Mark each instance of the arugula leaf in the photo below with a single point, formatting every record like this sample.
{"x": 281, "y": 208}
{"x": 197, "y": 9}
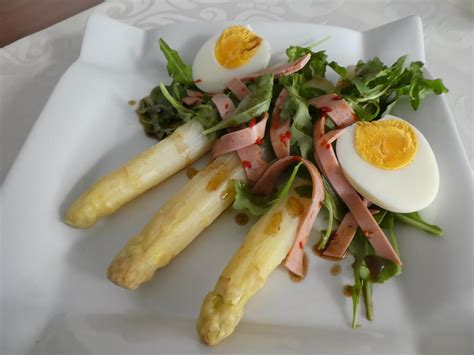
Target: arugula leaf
{"x": 374, "y": 88}
{"x": 204, "y": 113}
{"x": 338, "y": 207}
{"x": 296, "y": 109}
{"x": 185, "y": 113}
{"x": 336, "y": 211}
{"x": 251, "y": 106}
{"x": 246, "y": 200}
{"x": 157, "y": 116}
{"x": 316, "y": 66}
{"x": 370, "y": 268}
{"x": 414, "y": 219}
{"x": 177, "y": 69}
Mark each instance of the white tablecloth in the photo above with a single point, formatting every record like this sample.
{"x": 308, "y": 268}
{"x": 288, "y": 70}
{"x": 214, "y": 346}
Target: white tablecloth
{"x": 31, "y": 67}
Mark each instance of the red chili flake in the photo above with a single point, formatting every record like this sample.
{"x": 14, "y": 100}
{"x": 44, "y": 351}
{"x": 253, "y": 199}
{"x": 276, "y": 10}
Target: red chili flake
{"x": 350, "y": 226}
{"x": 301, "y": 245}
{"x": 285, "y": 137}
{"x": 296, "y": 158}
{"x": 337, "y": 98}
{"x": 252, "y": 122}
{"x": 325, "y": 109}
{"x": 259, "y": 141}
{"x": 246, "y": 164}
{"x": 197, "y": 81}
{"x": 328, "y": 146}
{"x": 323, "y": 143}
{"x": 226, "y": 106}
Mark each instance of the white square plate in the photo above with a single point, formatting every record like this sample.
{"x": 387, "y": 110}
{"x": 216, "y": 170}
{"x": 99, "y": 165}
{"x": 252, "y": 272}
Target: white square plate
{"x": 57, "y": 300}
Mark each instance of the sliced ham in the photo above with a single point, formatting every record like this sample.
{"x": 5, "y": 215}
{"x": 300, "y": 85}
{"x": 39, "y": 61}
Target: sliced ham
{"x": 267, "y": 183}
{"x": 191, "y": 100}
{"x": 252, "y": 161}
{"x": 250, "y": 155}
{"x": 193, "y": 93}
{"x": 238, "y": 88}
{"x": 283, "y": 69}
{"x": 224, "y": 105}
{"x": 240, "y": 139}
{"x": 336, "y": 108}
{"x": 343, "y": 236}
{"x": 280, "y": 129}
{"x": 329, "y": 164}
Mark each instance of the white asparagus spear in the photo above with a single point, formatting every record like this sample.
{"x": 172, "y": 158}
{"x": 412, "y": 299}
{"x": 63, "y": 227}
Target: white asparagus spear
{"x": 178, "y": 222}
{"x": 148, "y": 169}
{"x": 264, "y": 248}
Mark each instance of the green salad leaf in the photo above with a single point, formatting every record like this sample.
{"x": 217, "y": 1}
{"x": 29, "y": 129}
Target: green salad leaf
{"x": 372, "y": 88}
{"x": 414, "y": 220}
{"x": 161, "y": 112}
{"x": 246, "y": 200}
{"x": 177, "y": 69}
{"x": 157, "y": 116}
{"x": 316, "y": 67}
{"x": 253, "y": 105}
{"x": 301, "y": 127}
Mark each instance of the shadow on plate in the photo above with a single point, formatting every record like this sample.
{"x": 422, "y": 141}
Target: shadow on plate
{"x": 27, "y": 103}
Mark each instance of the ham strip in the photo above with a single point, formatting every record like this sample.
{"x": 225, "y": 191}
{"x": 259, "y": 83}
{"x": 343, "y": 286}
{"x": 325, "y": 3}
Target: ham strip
{"x": 284, "y": 69}
{"x": 191, "y": 100}
{"x": 240, "y": 139}
{"x": 251, "y": 155}
{"x": 336, "y": 108}
{"x": 239, "y": 89}
{"x": 193, "y": 93}
{"x": 279, "y": 128}
{"x": 224, "y": 105}
{"x": 267, "y": 183}
{"x": 343, "y": 236}
{"x": 328, "y": 161}
{"x": 251, "y": 158}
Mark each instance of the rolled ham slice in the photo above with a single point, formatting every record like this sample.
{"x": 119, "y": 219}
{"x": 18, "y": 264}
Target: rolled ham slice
{"x": 251, "y": 155}
{"x": 284, "y": 69}
{"x": 336, "y": 108}
{"x": 193, "y": 93}
{"x": 267, "y": 183}
{"x": 240, "y": 139}
{"x": 329, "y": 164}
{"x": 224, "y": 105}
{"x": 279, "y": 128}
{"x": 238, "y": 88}
{"x": 191, "y": 100}
{"x": 251, "y": 158}
{"x": 343, "y": 236}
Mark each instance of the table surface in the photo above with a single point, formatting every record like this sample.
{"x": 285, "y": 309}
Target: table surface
{"x": 31, "y": 67}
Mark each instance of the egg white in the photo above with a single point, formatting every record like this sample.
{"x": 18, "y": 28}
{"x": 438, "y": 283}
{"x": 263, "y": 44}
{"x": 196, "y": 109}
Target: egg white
{"x": 210, "y": 76}
{"x": 404, "y": 190}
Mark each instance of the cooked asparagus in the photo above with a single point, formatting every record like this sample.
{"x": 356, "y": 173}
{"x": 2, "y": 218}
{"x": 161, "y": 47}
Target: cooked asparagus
{"x": 178, "y": 222}
{"x": 148, "y": 169}
{"x": 264, "y": 248}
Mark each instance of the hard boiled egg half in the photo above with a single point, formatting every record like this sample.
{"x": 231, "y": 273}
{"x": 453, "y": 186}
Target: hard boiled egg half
{"x": 390, "y": 163}
{"x": 234, "y": 53}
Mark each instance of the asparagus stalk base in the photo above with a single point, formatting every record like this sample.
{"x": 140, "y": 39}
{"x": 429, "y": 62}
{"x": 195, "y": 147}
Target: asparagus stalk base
{"x": 178, "y": 223}
{"x": 148, "y": 169}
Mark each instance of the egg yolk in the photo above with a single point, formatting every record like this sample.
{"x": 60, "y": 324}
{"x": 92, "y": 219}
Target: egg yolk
{"x": 388, "y": 144}
{"x": 236, "y": 46}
